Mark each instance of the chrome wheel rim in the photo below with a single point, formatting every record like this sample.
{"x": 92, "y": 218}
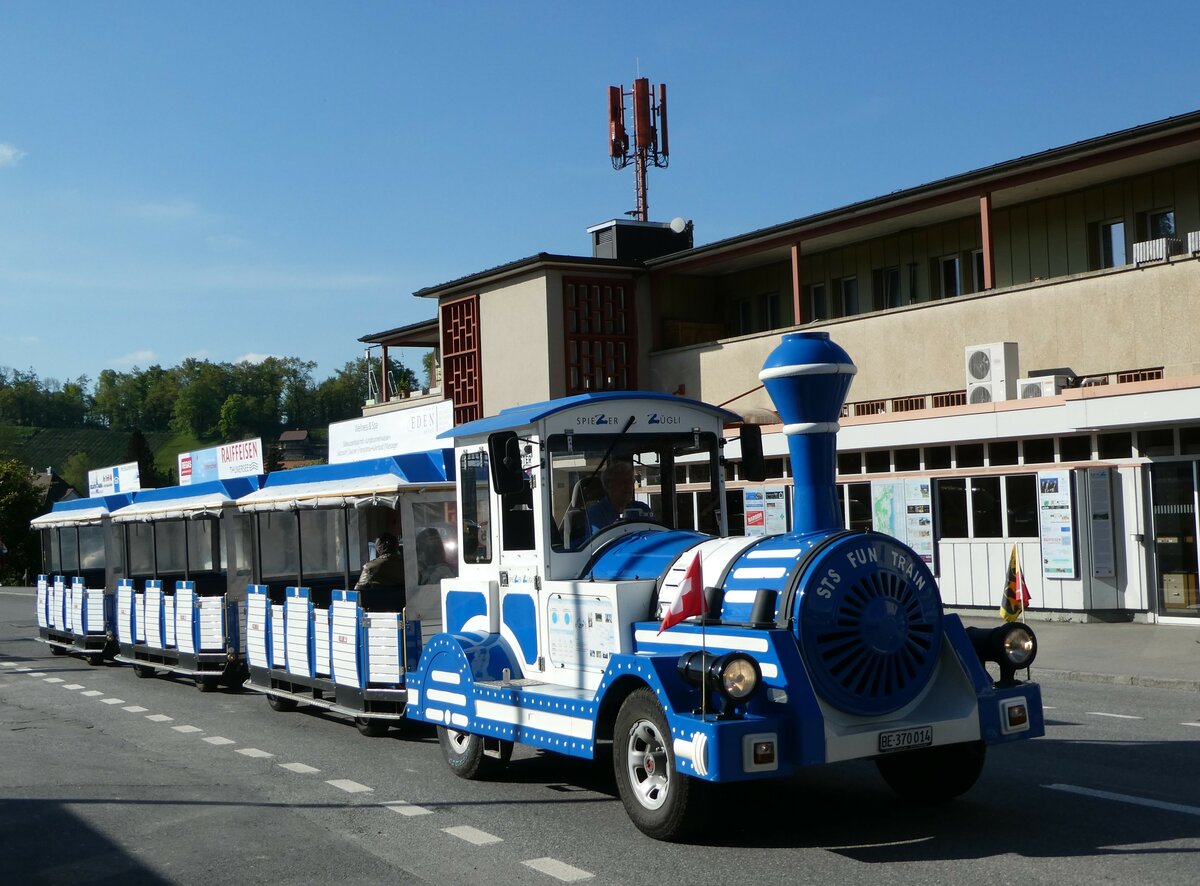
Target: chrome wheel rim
{"x": 458, "y": 740}
{"x": 647, "y": 765}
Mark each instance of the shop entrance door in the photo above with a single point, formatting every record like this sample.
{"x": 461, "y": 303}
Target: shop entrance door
{"x": 1173, "y": 498}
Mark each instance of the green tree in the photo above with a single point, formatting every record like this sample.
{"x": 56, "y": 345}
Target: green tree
{"x": 341, "y": 396}
{"x": 237, "y": 418}
{"x": 430, "y": 368}
{"x": 20, "y": 502}
{"x": 75, "y": 471}
{"x": 203, "y": 387}
{"x": 139, "y": 451}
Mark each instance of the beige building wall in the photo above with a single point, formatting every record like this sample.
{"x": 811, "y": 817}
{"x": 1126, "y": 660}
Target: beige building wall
{"x": 516, "y": 351}
{"x": 1104, "y": 321}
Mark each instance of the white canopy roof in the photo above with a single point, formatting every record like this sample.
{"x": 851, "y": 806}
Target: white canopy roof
{"x": 77, "y": 517}
{"x": 357, "y": 492}
{"x": 173, "y": 508}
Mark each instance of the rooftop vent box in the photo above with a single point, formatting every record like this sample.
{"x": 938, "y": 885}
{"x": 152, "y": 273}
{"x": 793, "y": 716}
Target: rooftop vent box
{"x": 629, "y": 240}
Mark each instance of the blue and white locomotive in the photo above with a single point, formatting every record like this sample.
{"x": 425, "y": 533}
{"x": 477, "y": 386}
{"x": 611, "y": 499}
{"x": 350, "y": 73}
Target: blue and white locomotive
{"x": 819, "y": 645}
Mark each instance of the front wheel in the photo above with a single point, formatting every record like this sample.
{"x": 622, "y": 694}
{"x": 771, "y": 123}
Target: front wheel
{"x": 661, "y": 801}
{"x": 933, "y": 775}
{"x": 472, "y": 756}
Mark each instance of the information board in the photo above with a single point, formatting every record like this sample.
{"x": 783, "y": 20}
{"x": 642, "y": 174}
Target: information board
{"x": 1056, "y": 525}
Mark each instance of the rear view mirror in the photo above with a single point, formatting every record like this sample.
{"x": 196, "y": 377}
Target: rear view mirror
{"x": 754, "y": 466}
{"x": 508, "y": 477}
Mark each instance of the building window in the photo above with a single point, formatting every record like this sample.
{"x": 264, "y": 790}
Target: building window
{"x": 969, "y": 455}
{"x": 848, "y": 292}
{"x": 859, "y": 506}
{"x": 987, "y": 516}
{"x": 1117, "y": 445}
{"x": 601, "y": 340}
{"x": 745, "y": 317}
{"x": 949, "y": 281}
{"x": 1002, "y": 452}
{"x": 879, "y": 461}
{"x": 977, "y": 270}
{"x": 771, "y": 310}
{"x": 818, "y": 307}
{"x": 1160, "y": 223}
{"x": 913, "y": 282}
{"x": 1039, "y": 450}
{"x": 1112, "y": 244}
{"x": 1020, "y": 506}
{"x": 887, "y": 287}
{"x": 462, "y": 375}
{"x": 907, "y": 459}
{"x": 1075, "y": 448}
{"x": 937, "y": 458}
{"x": 849, "y": 462}
{"x": 952, "y": 507}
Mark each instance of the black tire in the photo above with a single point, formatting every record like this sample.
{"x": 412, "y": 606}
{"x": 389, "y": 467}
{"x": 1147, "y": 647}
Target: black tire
{"x": 933, "y": 775}
{"x": 281, "y": 704}
{"x": 208, "y": 684}
{"x": 662, "y": 802}
{"x": 143, "y": 672}
{"x": 371, "y": 727}
{"x": 472, "y": 756}
{"x": 95, "y": 659}
{"x": 57, "y": 650}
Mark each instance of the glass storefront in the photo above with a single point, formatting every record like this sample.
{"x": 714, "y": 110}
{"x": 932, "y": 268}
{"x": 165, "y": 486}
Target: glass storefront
{"x": 1173, "y": 507}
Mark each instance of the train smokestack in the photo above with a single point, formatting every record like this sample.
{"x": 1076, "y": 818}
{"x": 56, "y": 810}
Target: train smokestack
{"x": 808, "y": 377}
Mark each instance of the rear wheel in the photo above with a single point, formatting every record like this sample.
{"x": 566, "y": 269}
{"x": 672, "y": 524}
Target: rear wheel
{"x": 281, "y": 703}
{"x": 473, "y": 756}
{"x": 57, "y": 650}
{"x": 95, "y": 659}
{"x": 371, "y": 727}
{"x": 208, "y": 684}
{"x": 933, "y": 775}
{"x": 660, "y": 800}
{"x": 143, "y": 671}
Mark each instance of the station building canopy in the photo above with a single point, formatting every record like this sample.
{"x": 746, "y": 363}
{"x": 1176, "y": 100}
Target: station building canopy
{"x": 186, "y": 502}
{"x": 81, "y": 511}
{"x": 376, "y": 481}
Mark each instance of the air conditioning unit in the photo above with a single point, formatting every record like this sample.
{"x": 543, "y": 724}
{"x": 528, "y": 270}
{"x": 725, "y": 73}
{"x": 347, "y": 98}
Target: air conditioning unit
{"x": 1156, "y": 250}
{"x": 991, "y": 372}
{"x": 1041, "y": 386}
{"x": 1193, "y": 242}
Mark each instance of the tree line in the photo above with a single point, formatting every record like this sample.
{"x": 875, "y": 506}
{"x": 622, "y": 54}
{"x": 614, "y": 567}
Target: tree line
{"x": 226, "y": 401}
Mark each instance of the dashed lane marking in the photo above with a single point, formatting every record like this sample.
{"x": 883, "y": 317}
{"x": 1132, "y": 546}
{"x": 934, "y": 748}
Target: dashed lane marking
{"x": 135, "y": 709}
{"x": 8, "y": 664}
{"x": 92, "y": 693}
{"x": 54, "y": 679}
{"x": 1114, "y": 716}
{"x": 408, "y": 809}
{"x": 557, "y": 869}
{"x": 37, "y": 673}
{"x": 1125, "y": 798}
{"x": 73, "y": 686}
{"x": 219, "y": 740}
{"x": 350, "y": 787}
{"x": 159, "y": 718}
{"x": 1189, "y": 724}
{"x": 112, "y": 701}
{"x": 474, "y": 836}
{"x": 302, "y": 768}
{"x": 22, "y": 670}
{"x": 254, "y": 752}
{"x": 187, "y": 728}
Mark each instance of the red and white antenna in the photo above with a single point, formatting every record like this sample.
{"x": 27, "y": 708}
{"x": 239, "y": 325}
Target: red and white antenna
{"x": 649, "y": 140}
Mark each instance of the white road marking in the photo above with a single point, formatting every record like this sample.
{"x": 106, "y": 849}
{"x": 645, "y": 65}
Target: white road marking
{"x": 92, "y": 693}
{"x": 1189, "y": 724}
{"x": 474, "y": 836}
{"x": 254, "y": 752}
{"x": 302, "y": 768}
{"x": 112, "y": 701}
{"x": 1114, "y": 716}
{"x": 73, "y": 686}
{"x": 187, "y": 728}
{"x": 350, "y": 787}
{"x": 218, "y": 740}
{"x": 37, "y": 673}
{"x": 135, "y": 709}
{"x": 159, "y": 718}
{"x": 23, "y": 670}
{"x": 408, "y": 809}
{"x": 8, "y": 664}
{"x": 557, "y": 869}
{"x": 54, "y": 679}
{"x": 1125, "y": 798}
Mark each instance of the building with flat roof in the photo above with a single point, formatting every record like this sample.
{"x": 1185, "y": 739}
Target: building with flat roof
{"x": 1025, "y": 335}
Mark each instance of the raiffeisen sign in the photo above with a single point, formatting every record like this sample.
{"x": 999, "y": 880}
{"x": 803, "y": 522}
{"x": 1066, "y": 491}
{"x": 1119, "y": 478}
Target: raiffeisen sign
{"x": 225, "y": 462}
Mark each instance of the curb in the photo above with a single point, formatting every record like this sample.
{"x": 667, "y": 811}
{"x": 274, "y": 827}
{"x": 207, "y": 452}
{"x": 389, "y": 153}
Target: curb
{"x": 1121, "y": 680}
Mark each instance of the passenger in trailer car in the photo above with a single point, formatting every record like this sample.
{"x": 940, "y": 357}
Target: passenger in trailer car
{"x": 386, "y": 571}
{"x": 617, "y": 478}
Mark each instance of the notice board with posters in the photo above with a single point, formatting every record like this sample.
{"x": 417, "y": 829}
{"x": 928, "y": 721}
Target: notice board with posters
{"x": 1056, "y": 524}
{"x": 903, "y": 509}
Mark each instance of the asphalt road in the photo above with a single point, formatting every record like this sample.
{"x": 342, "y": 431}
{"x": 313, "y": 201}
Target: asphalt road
{"x": 108, "y": 778}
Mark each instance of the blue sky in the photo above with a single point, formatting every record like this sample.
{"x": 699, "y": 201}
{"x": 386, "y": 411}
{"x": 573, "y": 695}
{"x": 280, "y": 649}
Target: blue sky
{"x": 237, "y": 179}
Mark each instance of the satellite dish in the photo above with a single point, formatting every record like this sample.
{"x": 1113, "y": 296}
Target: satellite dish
{"x": 678, "y": 225}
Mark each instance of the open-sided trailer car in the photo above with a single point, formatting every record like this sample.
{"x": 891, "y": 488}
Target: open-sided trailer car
{"x": 312, "y": 638}
{"x": 74, "y": 609}
{"x": 186, "y": 567}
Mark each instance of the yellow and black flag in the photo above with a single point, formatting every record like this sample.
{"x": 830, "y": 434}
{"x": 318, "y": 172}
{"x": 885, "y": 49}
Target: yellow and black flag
{"x": 1016, "y": 592}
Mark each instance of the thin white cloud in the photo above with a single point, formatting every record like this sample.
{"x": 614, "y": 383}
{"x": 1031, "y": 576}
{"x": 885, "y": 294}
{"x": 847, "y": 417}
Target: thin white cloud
{"x": 175, "y": 210}
{"x": 10, "y": 155}
{"x": 135, "y": 358}
{"x": 254, "y": 358}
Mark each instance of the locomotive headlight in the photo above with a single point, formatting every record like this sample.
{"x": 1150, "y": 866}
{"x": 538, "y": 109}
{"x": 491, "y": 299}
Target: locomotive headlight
{"x": 1012, "y": 646}
{"x": 737, "y": 675}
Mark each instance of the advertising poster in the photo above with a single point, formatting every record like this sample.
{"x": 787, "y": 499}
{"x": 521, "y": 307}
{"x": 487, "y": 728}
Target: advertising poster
{"x": 110, "y": 481}
{"x": 754, "y": 510}
{"x": 1100, "y": 507}
{"x": 391, "y": 433}
{"x": 775, "y": 509}
{"x": 918, "y": 517}
{"x": 225, "y": 462}
{"x": 1056, "y": 521}
{"x": 887, "y": 508}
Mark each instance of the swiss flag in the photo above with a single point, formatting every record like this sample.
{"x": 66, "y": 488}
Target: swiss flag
{"x": 690, "y": 599}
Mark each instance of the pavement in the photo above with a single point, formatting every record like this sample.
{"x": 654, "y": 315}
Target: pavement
{"x": 1130, "y": 653}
